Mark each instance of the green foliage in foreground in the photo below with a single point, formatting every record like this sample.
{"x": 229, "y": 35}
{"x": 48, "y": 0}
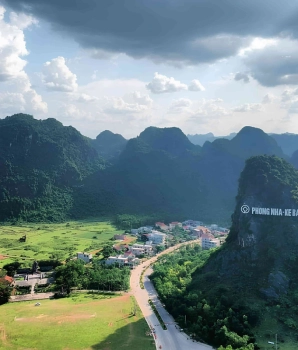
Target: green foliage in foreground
{"x": 212, "y": 321}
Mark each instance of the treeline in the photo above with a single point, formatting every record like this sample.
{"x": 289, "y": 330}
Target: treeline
{"x": 211, "y": 320}
{"x": 126, "y": 221}
{"x": 75, "y": 274}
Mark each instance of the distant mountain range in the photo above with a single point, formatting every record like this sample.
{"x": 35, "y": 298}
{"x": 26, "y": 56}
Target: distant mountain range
{"x": 52, "y": 172}
{"x": 288, "y": 142}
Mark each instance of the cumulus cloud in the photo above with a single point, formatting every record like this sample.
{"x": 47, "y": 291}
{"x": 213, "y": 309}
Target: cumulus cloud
{"x": 180, "y": 105}
{"x": 9, "y": 101}
{"x": 132, "y": 103}
{"x": 210, "y": 109}
{"x": 162, "y": 84}
{"x": 21, "y": 20}
{"x": 269, "y": 98}
{"x": 12, "y": 49}
{"x": 73, "y": 112}
{"x": 289, "y": 100}
{"x": 58, "y": 77}
{"x": 165, "y": 32}
{"x": 85, "y": 98}
{"x": 195, "y": 85}
{"x": 242, "y": 76}
{"x": 249, "y": 107}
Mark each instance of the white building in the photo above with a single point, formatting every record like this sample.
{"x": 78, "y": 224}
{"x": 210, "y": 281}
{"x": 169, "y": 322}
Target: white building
{"x": 192, "y": 223}
{"x": 84, "y": 256}
{"x": 172, "y": 225}
{"x": 146, "y": 247}
{"x": 137, "y": 251}
{"x": 157, "y": 237}
{"x": 208, "y": 241}
{"x": 123, "y": 260}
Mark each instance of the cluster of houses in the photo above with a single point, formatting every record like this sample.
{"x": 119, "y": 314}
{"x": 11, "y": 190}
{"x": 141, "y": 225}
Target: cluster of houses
{"x": 211, "y": 236}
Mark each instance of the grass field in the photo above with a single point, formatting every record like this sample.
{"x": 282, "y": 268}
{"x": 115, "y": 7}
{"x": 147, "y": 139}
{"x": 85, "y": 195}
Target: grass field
{"x": 44, "y": 240}
{"x": 84, "y": 322}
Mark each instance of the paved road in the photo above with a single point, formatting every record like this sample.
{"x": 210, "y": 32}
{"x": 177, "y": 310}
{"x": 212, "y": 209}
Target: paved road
{"x": 172, "y": 338}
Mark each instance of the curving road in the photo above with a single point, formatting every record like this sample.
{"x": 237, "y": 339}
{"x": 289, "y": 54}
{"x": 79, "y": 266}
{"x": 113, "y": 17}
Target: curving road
{"x": 172, "y": 338}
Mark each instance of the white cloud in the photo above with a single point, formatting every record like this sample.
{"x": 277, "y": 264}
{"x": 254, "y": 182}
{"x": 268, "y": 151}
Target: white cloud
{"x": 118, "y": 105}
{"x": 212, "y": 108}
{"x": 12, "y": 48}
{"x": 21, "y": 20}
{"x": 94, "y": 75}
{"x": 58, "y": 77}
{"x": 162, "y": 84}
{"x": 269, "y": 98}
{"x": 85, "y": 98}
{"x": 249, "y": 107}
{"x": 130, "y": 103}
{"x": 9, "y": 101}
{"x": 180, "y": 105}
{"x": 195, "y": 85}
{"x": 140, "y": 99}
{"x": 289, "y": 100}
{"x": 72, "y": 112}
{"x": 257, "y": 44}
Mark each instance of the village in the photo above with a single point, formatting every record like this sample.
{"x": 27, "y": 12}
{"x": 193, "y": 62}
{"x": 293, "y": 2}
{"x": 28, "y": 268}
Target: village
{"x": 151, "y": 240}
{"x": 148, "y": 241}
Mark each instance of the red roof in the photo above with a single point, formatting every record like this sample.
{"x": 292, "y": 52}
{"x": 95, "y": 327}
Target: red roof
{"x": 207, "y": 235}
{"x": 175, "y": 223}
{"x": 7, "y": 279}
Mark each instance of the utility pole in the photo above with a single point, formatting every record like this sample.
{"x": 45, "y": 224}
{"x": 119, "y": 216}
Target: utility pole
{"x": 275, "y": 341}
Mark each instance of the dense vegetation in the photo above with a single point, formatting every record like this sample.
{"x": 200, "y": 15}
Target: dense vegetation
{"x": 109, "y": 145}
{"x": 75, "y": 274}
{"x": 49, "y": 172}
{"x": 249, "y": 281}
{"x": 206, "y": 319}
{"x": 41, "y": 163}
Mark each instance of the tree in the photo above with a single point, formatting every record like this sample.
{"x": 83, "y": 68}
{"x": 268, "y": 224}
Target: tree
{"x": 70, "y": 275}
{"x": 5, "y": 291}
{"x": 12, "y": 268}
{"x": 160, "y": 248}
{"x": 107, "y": 251}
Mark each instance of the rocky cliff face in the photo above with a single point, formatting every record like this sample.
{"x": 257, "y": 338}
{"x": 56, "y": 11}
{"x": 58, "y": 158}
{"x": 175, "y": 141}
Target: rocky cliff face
{"x": 262, "y": 247}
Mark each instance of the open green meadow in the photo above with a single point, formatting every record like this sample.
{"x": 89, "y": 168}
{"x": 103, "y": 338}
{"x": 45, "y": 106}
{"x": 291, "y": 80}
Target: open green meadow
{"x": 45, "y": 241}
{"x": 82, "y": 321}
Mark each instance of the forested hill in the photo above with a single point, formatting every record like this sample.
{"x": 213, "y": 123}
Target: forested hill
{"x": 109, "y": 145}
{"x": 161, "y": 171}
{"x": 254, "y": 272}
{"x": 52, "y": 172}
{"x": 40, "y": 160}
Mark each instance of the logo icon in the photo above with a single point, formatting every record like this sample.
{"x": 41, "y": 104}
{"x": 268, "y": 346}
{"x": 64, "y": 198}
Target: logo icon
{"x": 245, "y": 209}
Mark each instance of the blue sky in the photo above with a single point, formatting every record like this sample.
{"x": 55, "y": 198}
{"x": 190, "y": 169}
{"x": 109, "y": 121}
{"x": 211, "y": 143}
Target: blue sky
{"x": 125, "y": 66}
